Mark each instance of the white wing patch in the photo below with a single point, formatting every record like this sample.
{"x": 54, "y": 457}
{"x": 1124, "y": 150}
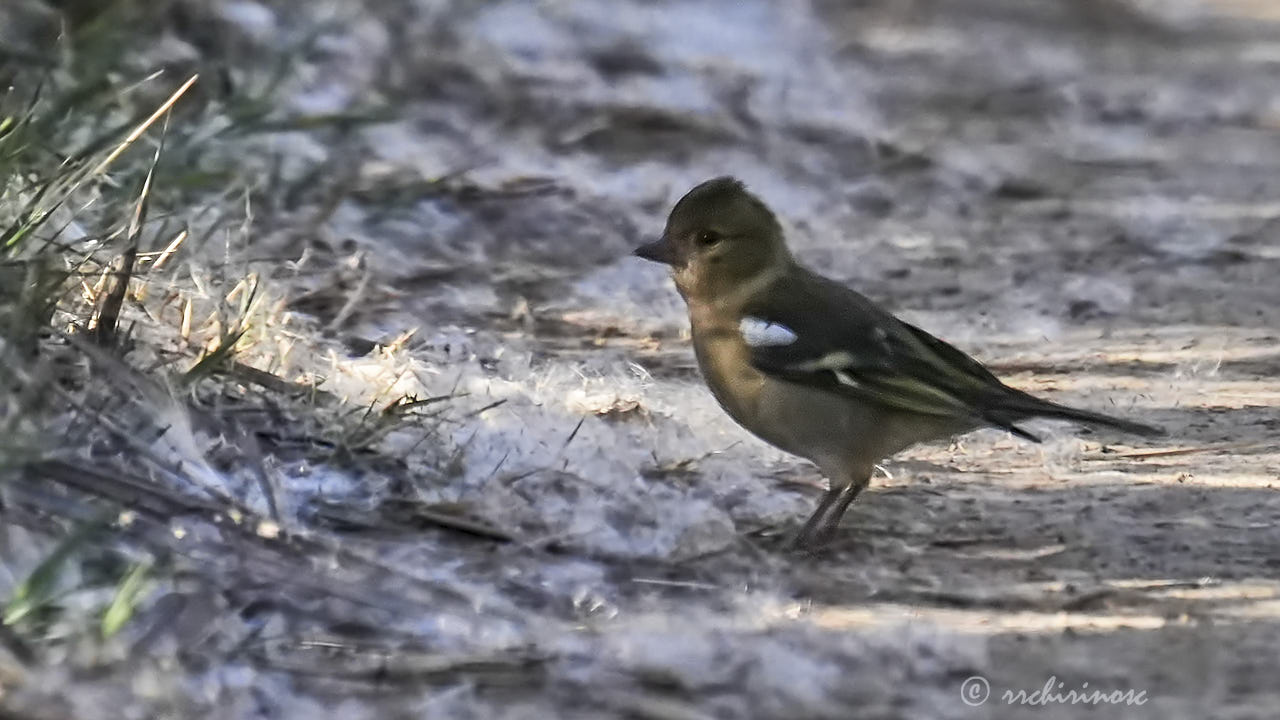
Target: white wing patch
{"x": 845, "y": 378}
{"x": 833, "y": 361}
{"x": 762, "y": 333}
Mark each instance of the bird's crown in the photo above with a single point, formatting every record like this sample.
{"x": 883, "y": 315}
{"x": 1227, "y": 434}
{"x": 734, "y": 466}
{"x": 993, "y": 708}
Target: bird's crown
{"x": 721, "y": 201}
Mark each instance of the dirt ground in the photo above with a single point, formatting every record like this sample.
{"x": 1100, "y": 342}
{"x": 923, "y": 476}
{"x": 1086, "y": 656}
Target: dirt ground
{"x": 1084, "y": 195}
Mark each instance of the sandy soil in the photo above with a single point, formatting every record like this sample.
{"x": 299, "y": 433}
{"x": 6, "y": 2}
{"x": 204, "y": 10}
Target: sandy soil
{"x": 1083, "y": 197}
{"x": 1082, "y": 194}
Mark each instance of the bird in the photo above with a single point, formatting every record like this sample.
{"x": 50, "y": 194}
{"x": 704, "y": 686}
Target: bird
{"x": 815, "y": 368}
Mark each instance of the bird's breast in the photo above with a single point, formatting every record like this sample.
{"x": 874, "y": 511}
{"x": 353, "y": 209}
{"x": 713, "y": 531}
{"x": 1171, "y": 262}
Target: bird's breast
{"x": 726, "y": 367}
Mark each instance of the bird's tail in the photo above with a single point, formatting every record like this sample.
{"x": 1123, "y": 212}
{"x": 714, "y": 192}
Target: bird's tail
{"x": 1029, "y": 406}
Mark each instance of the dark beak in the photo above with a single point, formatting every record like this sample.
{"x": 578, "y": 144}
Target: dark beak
{"x": 658, "y": 251}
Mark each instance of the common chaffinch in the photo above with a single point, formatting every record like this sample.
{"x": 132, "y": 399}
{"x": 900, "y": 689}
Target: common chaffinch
{"x": 815, "y": 368}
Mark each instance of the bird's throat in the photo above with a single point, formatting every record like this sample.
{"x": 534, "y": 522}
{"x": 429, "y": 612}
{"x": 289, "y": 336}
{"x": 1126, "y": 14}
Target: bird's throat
{"x": 724, "y": 296}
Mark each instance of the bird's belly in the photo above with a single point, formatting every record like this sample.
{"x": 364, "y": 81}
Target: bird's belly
{"x": 821, "y": 426}
{"x": 836, "y": 432}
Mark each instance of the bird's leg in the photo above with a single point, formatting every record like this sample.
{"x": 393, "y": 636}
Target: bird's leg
{"x": 847, "y": 495}
{"x": 822, "y": 524}
{"x": 805, "y": 538}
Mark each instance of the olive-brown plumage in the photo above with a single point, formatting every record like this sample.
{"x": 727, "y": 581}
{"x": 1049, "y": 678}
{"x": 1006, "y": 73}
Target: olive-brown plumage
{"x": 814, "y": 367}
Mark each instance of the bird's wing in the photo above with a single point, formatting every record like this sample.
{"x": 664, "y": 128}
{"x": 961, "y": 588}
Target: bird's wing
{"x": 818, "y": 333}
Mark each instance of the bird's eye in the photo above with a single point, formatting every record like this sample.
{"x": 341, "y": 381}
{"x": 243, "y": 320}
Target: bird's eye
{"x": 707, "y": 238}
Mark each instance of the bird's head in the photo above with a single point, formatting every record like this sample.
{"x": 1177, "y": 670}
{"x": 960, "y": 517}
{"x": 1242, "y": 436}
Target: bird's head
{"x": 718, "y": 236}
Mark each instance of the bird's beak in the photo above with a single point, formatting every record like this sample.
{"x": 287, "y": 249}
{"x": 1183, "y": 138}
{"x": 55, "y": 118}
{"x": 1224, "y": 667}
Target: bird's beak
{"x": 658, "y": 251}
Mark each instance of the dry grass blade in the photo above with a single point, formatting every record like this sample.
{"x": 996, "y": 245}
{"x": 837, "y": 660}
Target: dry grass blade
{"x": 169, "y": 250}
{"x": 1174, "y": 452}
{"x": 135, "y": 493}
{"x": 143, "y": 126}
{"x": 55, "y": 193}
{"x": 339, "y": 659}
{"x": 214, "y": 359}
{"x": 463, "y": 525}
{"x": 107, "y": 319}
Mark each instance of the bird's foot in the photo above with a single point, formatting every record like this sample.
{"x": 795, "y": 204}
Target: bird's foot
{"x": 811, "y": 540}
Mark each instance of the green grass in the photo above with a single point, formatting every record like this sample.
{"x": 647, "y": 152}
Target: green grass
{"x": 113, "y": 178}
{"x": 143, "y": 368}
